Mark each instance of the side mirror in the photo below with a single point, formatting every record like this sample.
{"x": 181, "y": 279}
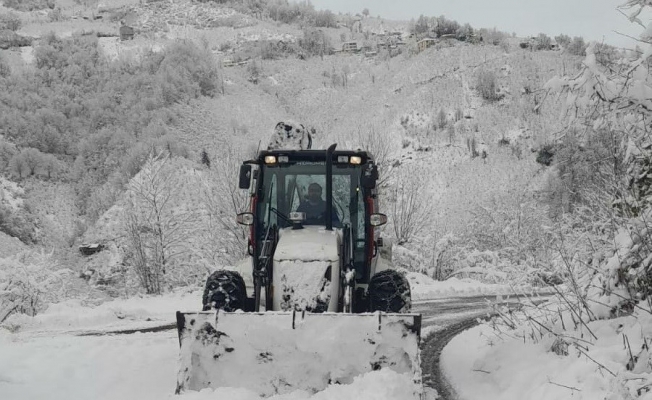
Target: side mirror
{"x": 369, "y": 177}
{"x": 377, "y": 219}
{"x": 245, "y": 218}
{"x": 245, "y": 176}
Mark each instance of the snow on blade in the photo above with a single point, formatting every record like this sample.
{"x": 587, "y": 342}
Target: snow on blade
{"x": 278, "y": 353}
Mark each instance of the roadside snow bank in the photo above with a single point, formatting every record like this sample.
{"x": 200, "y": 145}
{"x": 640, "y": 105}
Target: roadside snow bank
{"x": 154, "y": 310}
{"x": 425, "y": 288}
{"x": 481, "y": 365}
{"x": 76, "y": 314}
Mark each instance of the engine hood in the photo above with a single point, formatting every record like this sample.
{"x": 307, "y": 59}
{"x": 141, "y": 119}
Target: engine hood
{"x": 312, "y": 243}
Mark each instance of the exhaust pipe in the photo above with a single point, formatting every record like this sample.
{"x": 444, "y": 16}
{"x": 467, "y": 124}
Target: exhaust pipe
{"x": 329, "y": 187}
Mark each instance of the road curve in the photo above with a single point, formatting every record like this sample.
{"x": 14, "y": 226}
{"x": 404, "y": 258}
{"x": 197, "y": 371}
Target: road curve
{"x": 445, "y": 318}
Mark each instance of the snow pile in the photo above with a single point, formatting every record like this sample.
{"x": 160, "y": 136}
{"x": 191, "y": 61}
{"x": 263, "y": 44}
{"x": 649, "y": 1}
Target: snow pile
{"x": 379, "y": 385}
{"x": 424, "y": 287}
{"x": 290, "y": 135}
{"x": 78, "y": 315}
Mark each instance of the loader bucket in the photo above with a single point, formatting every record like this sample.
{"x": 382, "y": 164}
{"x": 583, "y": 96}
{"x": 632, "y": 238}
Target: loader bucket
{"x": 280, "y": 352}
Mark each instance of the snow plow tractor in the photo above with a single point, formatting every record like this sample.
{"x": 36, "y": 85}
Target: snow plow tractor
{"x": 314, "y": 304}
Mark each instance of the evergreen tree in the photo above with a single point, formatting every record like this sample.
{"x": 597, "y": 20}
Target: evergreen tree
{"x": 204, "y": 158}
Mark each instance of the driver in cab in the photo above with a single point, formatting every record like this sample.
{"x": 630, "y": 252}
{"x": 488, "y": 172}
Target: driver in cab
{"x": 315, "y": 207}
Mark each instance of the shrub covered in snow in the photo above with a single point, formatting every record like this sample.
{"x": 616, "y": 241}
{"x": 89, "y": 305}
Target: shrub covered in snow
{"x": 29, "y": 284}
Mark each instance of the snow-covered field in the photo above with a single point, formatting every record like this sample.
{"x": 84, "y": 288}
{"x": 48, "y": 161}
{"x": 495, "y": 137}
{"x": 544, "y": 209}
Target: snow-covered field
{"x": 56, "y": 356}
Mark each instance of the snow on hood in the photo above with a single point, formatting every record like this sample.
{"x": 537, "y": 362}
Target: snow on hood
{"x": 300, "y": 262}
{"x": 301, "y": 284}
{"x": 312, "y": 243}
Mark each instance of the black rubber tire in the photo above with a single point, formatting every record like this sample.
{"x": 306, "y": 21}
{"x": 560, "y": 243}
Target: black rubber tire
{"x": 225, "y": 290}
{"x": 389, "y": 291}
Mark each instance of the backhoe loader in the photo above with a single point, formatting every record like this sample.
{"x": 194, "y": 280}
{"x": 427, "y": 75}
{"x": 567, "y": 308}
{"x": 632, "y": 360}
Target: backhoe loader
{"x": 314, "y": 304}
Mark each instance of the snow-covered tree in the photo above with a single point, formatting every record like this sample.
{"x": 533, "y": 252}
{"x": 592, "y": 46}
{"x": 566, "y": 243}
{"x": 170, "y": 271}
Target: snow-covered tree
{"x": 617, "y": 97}
{"x": 157, "y": 224}
{"x": 410, "y": 207}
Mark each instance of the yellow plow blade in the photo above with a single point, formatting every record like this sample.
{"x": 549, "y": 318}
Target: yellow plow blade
{"x": 280, "y": 352}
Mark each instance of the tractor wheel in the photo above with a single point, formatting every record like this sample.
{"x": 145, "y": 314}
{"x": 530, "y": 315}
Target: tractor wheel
{"x": 225, "y": 290}
{"x": 389, "y": 291}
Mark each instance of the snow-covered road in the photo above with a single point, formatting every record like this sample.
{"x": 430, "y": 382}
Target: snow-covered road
{"x": 137, "y": 366}
{"x": 51, "y": 356}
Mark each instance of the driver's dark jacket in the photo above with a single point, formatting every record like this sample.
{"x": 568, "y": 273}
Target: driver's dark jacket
{"x": 316, "y": 213}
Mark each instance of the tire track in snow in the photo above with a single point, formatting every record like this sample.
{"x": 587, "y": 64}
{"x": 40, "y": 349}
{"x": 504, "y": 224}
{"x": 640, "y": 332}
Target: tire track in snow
{"x": 431, "y": 349}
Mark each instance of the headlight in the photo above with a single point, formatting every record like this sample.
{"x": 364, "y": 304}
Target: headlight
{"x": 356, "y": 160}
{"x": 270, "y": 159}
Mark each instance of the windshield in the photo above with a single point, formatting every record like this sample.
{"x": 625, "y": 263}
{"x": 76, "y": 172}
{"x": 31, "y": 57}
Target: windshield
{"x": 302, "y": 187}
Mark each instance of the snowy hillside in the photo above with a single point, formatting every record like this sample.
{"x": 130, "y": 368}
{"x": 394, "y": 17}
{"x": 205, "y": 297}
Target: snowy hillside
{"x": 508, "y": 167}
{"x": 419, "y": 113}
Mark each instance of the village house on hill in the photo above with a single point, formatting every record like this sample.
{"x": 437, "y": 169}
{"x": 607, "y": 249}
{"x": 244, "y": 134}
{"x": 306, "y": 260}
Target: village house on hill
{"x": 425, "y": 43}
{"x": 350, "y": 47}
{"x": 126, "y": 32}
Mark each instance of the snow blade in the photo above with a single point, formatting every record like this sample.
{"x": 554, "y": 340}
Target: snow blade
{"x": 279, "y": 352}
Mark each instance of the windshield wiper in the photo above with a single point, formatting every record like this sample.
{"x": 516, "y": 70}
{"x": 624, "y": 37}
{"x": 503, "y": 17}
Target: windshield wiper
{"x": 281, "y": 215}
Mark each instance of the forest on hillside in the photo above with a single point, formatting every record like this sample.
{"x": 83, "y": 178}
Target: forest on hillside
{"x": 80, "y": 118}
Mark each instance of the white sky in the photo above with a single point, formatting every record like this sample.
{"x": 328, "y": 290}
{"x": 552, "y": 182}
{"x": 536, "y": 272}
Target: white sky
{"x": 591, "y": 19}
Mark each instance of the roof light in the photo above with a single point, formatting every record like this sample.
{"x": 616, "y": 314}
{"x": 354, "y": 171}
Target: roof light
{"x": 283, "y": 159}
{"x": 357, "y": 160}
{"x": 343, "y": 159}
{"x": 270, "y": 159}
